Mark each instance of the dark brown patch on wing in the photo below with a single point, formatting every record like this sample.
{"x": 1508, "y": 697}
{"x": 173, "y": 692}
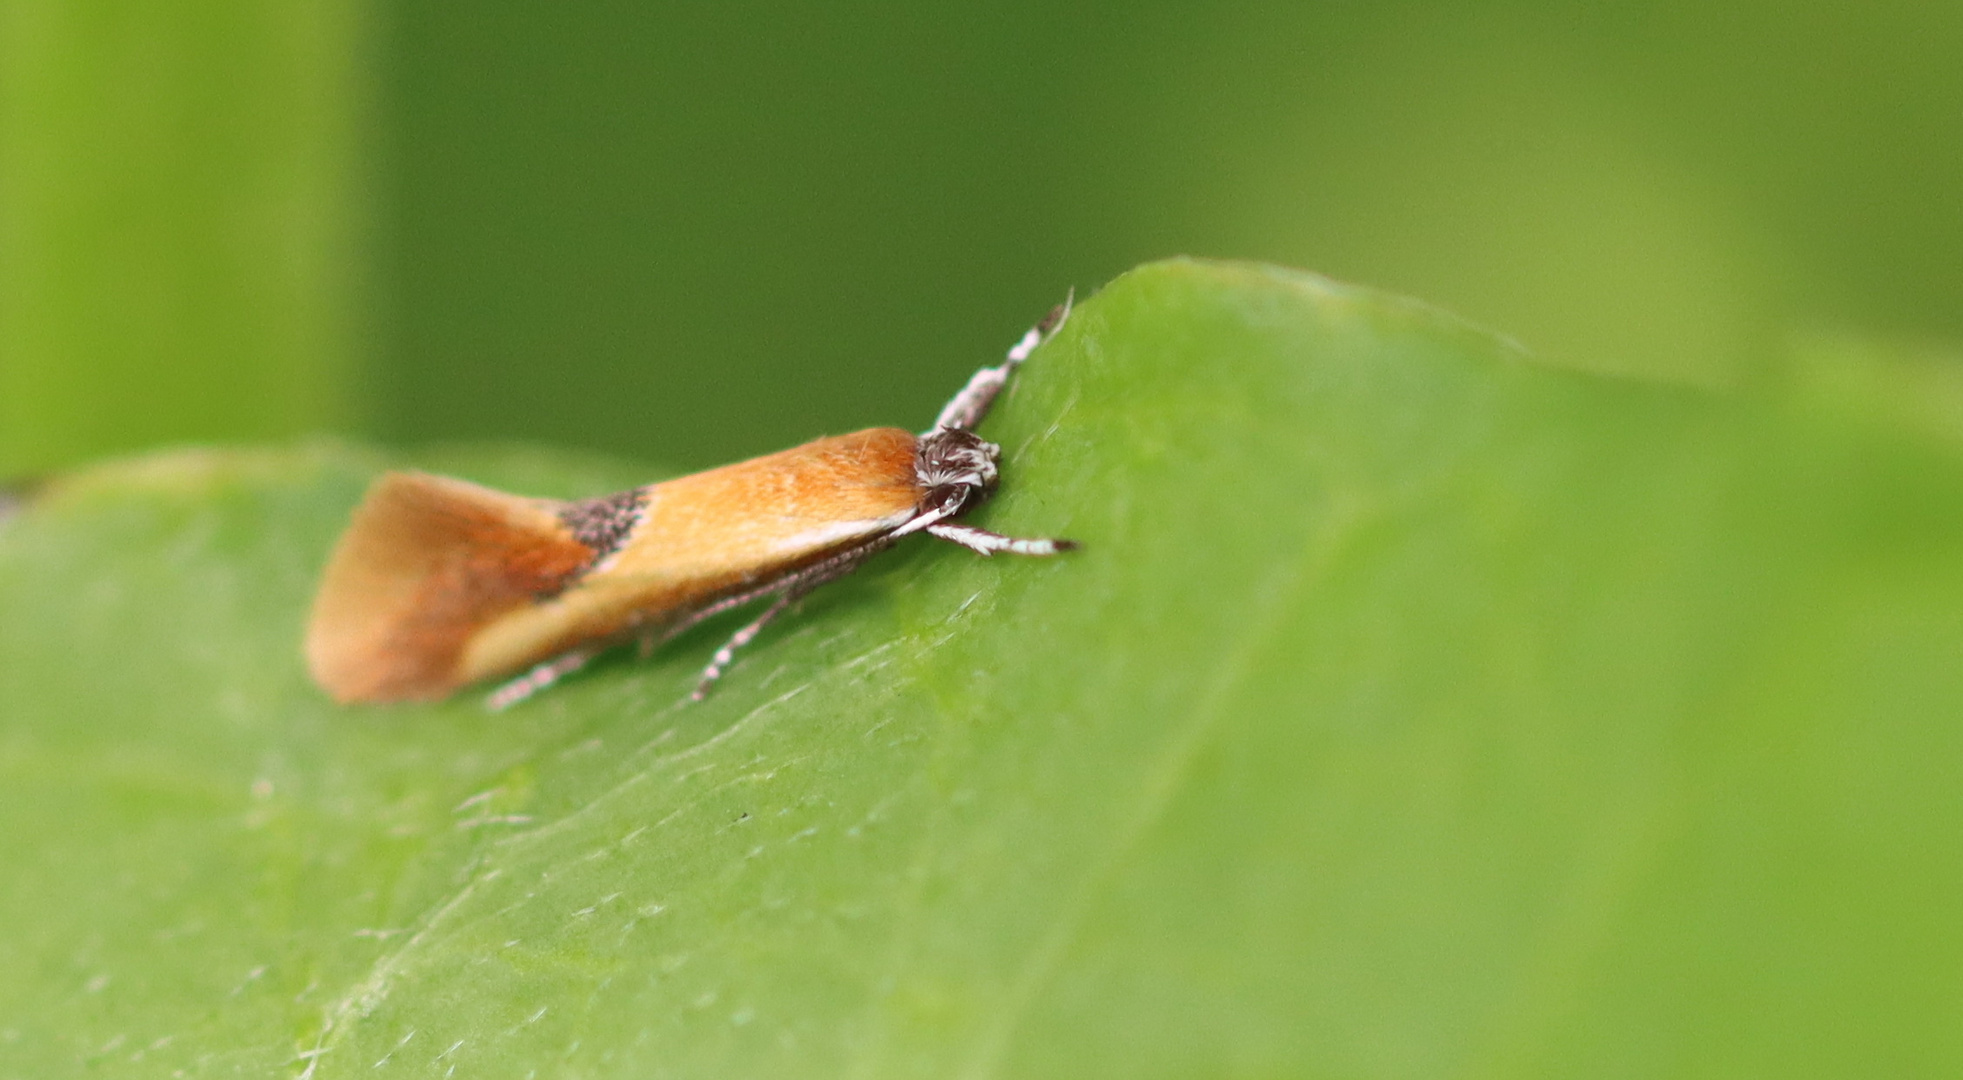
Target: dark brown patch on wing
{"x": 602, "y": 524}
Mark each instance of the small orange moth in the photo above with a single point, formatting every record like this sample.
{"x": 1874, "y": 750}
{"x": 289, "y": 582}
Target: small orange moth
{"x": 440, "y": 583}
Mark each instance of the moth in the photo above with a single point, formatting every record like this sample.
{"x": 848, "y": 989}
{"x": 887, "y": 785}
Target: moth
{"x": 439, "y": 583}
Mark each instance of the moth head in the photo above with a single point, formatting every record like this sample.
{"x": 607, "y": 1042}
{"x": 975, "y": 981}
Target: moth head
{"x": 956, "y": 467}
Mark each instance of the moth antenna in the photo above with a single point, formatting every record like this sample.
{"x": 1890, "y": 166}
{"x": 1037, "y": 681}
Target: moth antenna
{"x": 972, "y": 403}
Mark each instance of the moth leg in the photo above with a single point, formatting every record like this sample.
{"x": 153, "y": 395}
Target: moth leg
{"x": 537, "y": 679}
{"x": 972, "y": 403}
{"x": 989, "y": 543}
{"x": 736, "y": 641}
{"x": 795, "y": 587}
{"x": 657, "y": 637}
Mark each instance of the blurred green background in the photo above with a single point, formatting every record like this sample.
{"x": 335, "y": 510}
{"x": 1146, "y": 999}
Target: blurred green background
{"x": 695, "y": 232}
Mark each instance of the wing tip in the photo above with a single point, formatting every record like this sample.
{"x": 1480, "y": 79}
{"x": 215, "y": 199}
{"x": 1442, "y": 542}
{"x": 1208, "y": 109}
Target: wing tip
{"x": 425, "y": 563}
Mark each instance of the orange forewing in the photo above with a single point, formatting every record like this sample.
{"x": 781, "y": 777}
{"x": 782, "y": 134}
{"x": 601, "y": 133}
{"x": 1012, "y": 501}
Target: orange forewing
{"x": 439, "y": 583}
{"x": 712, "y": 534}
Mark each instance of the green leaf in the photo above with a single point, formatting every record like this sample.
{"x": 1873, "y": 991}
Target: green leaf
{"x": 1411, "y": 710}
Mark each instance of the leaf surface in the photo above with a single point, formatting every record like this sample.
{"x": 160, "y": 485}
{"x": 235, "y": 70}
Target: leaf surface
{"x": 1411, "y": 710}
